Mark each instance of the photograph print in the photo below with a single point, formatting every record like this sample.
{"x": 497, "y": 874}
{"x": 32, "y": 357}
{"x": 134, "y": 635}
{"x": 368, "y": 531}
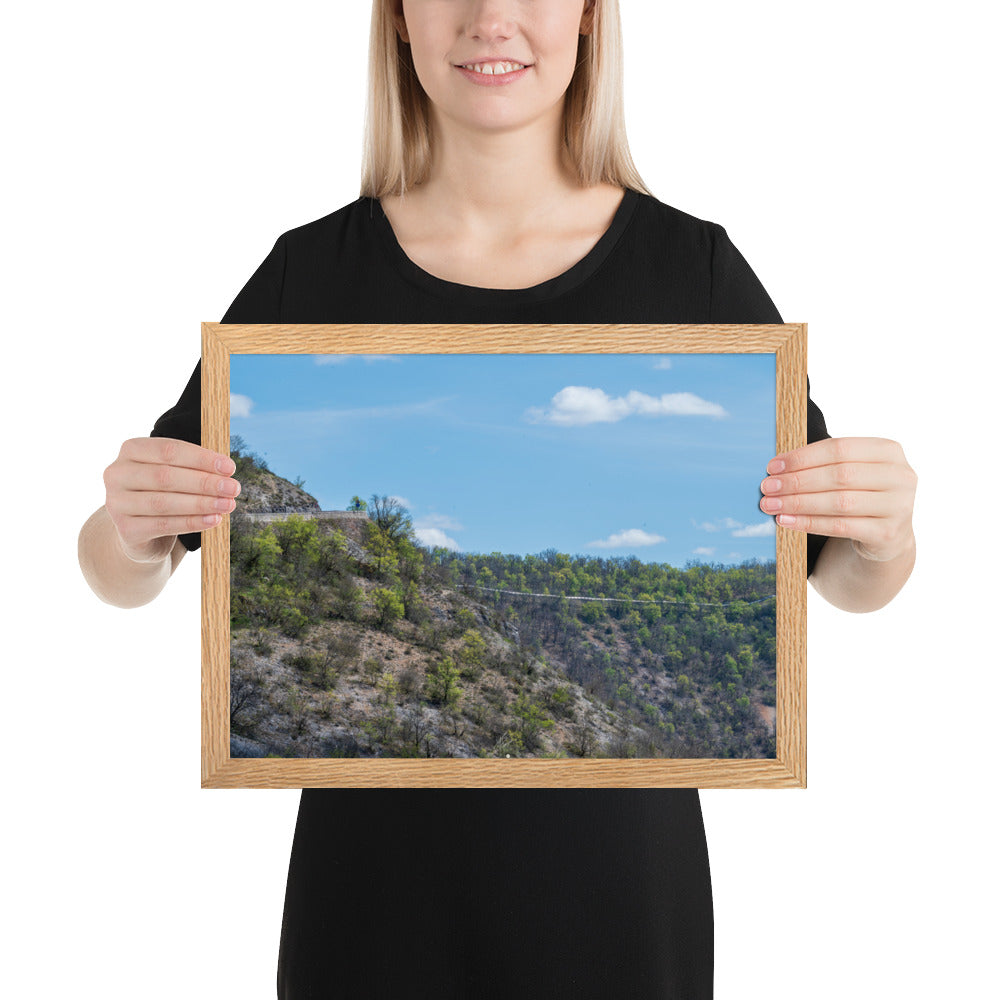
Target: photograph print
{"x": 502, "y": 556}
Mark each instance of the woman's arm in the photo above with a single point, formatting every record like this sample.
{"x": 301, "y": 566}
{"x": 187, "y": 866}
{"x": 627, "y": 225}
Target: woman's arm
{"x": 859, "y": 492}
{"x": 852, "y": 582}
{"x": 114, "y": 576}
{"x": 157, "y": 488}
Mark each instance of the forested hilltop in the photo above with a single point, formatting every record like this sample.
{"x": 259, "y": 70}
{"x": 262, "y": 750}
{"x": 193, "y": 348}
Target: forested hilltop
{"x": 358, "y": 641}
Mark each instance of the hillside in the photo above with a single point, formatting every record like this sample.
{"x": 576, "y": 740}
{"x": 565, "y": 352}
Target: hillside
{"x": 263, "y": 492}
{"x": 384, "y": 648}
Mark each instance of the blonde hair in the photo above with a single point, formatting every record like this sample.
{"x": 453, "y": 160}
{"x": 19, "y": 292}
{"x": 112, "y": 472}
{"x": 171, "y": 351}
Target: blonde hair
{"x": 397, "y": 143}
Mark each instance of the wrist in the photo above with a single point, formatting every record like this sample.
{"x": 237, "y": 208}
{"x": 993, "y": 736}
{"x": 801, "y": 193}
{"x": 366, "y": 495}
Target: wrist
{"x": 899, "y": 551}
{"x": 154, "y": 552}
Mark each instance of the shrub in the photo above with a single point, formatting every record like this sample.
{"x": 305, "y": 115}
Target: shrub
{"x": 346, "y": 601}
{"x": 293, "y": 622}
{"x": 388, "y": 607}
{"x": 261, "y": 642}
{"x": 245, "y": 694}
{"x": 465, "y": 619}
{"x": 531, "y": 720}
{"x": 413, "y": 607}
{"x": 409, "y": 681}
{"x": 341, "y": 653}
{"x": 387, "y": 687}
{"x": 371, "y": 669}
{"x": 442, "y": 683}
{"x": 559, "y": 700}
{"x": 511, "y": 744}
{"x": 305, "y": 660}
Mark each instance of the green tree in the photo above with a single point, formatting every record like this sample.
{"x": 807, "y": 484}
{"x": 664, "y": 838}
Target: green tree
{"x": 380, "y": 547}
{"x": 391, "y": 516}
{"x": 388, "y": 607}
{"x": 346, "y": 599}
{"x": 387, "y": 687}
{"x": 332, "y": 555}
{"x": 413, "y": 606}
{"x": 257, "y": 554}
{"x": 442, "y": 682}
{"x": 410, "y": 560}
{"x": 531, "y": 720}
{"x": 299, "y": 543}
{"x": 473, "y": 649}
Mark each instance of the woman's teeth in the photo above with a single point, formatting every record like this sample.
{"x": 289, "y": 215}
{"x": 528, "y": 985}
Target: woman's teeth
{"x": 495, "y": 69}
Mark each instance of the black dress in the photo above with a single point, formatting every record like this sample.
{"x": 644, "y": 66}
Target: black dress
{"x": 589, "y": 894}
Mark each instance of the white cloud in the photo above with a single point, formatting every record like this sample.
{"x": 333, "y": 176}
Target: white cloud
{"x": 662, "y": 364}
{"x": 239, "y": 406}
{"x": 737, "y": 528}
{"x": 442, "y": 521}
{"x": 430, "y": 531}
{"x": 436, "y": 538}
{"x": 760, "y": 530}
{"x": 630, "y": 538}
{"x": 340, "y": 359}
{"x": 726, "y": 523}
{"x": 576, "y": 405}
{"x": 704, "y": 550}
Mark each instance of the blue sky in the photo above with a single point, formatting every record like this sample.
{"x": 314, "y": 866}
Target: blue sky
{"x": 657, "y": 456}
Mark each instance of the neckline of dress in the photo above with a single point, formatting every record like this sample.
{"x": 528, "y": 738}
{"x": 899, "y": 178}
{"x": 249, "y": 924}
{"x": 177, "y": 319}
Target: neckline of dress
{"x": 550, "y": 288}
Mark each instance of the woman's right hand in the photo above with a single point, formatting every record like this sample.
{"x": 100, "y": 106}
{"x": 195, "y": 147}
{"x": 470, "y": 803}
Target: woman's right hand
{"x": 158, "y": 488}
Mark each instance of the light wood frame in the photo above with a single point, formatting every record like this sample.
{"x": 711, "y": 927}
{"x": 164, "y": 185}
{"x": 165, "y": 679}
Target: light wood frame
{"x": 787, "y": 770}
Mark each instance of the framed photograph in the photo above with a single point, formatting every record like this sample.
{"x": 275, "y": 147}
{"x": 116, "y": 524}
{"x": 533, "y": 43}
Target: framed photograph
{"x": 503, "y": 556}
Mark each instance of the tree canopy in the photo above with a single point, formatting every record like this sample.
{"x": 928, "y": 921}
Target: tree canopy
{"x": 391, "y": 516}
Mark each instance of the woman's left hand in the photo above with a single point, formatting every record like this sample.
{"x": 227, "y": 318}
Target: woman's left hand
{"x": 856, "y": 488}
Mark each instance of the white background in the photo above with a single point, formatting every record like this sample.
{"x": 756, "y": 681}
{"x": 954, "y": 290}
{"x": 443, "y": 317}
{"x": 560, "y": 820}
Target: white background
{"x": 154, "y": 153}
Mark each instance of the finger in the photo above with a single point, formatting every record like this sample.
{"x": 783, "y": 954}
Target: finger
{"x": 138, "y": 531}
{"x": 174, "y": 452}
{"x": 840, "y": 503}
{"x": 864, "y": 529}
{"x": 140, "y": 477}
{"x": 162, "y": 504}
{"x": 833, "y": 451}
{"x": 869, "y": 476}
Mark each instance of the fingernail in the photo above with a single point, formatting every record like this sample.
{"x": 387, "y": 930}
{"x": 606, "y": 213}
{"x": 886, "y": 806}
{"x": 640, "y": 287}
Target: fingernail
{"x": 210, "y": 520}
{"x": 225, "y": 466}
{"x": 771, "y": 504}
{"x": 786, "y": 519}
{"x": 771, "y": 485}
{"x": 775, "y": 466}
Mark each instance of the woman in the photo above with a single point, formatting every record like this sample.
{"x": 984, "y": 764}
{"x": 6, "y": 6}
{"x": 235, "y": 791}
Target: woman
{"x": 498, "y": 187}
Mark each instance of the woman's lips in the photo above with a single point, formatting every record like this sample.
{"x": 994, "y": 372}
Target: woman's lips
{"x": 495, "y": 80}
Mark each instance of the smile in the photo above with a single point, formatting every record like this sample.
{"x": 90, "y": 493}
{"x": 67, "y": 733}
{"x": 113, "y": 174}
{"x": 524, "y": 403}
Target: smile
{"x": 493, "y": 69}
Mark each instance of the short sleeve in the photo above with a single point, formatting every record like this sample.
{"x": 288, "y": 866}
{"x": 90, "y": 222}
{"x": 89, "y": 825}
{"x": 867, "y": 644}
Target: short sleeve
{"x": 258, "y": 302}
{"x": 738, "y": 297}
{"x": 260, "y": 299}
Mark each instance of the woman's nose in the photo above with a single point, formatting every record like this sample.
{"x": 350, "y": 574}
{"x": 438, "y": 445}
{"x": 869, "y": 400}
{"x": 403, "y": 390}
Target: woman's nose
{"x": 490, "y": 19}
